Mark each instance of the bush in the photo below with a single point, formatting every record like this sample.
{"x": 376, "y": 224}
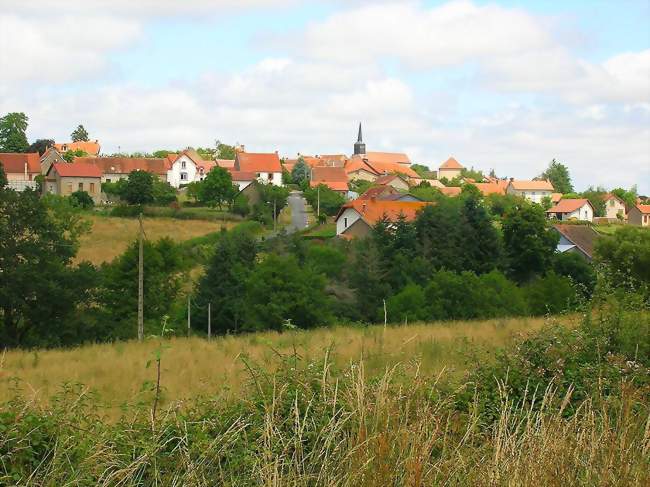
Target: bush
{"x": 82, "y": 199}
{"x": 330, "y": 200}
{"x": 126, "y": 211}
{"x": 163, "y": 193}
{"x": 408, "y": 304}
{"x": 551, "y": 294}
{"x": 240, "y": 205}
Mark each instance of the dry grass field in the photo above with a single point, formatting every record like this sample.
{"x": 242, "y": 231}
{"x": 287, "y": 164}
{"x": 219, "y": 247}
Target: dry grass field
{"x": 110, "y": 236}
{"x": 195, "y": 366}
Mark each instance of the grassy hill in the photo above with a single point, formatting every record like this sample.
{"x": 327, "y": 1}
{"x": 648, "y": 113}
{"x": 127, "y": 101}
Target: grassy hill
{"x": 195, "y": 366}
{"x": 110, "y": 236}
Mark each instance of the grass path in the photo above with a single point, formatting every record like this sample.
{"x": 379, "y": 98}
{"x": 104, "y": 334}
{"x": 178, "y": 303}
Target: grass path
{"x": 110, "y": 236}
{"x": 195, "y": 366}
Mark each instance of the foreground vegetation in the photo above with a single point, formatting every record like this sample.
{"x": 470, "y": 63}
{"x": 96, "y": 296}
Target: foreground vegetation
{"x": 116, "y": 372}
{"x": 565, "y": 406}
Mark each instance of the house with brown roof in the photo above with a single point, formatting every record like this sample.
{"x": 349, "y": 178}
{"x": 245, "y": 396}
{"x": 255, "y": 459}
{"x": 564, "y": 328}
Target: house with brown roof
{"x": 614, "y": 207}
{"x": 64, "y": 178}
{"x": 397, "y": 181}
{"x": 90, "y": 148}
{"x": 21, "y": 169}
{"x": 580, "y": 239}
{"x": 493, "y": 187}
{"x": 639, "y": 215}
{"x": 266, "y": 166}
{"x": 450, "y": 169}
{"x": 356, "y": 218}
{"x": 115, "y": 168}
{"x": 535, "y": 190}
{"x": 572, "y": 209}
{"x": 334, "y": 178}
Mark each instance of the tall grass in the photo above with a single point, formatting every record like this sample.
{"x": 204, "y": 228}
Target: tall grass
{"x": 117, "y": 372}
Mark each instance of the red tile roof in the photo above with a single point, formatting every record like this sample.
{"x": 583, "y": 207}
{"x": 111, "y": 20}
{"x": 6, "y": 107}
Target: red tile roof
{"x": 451, "y": 163}
{"x": 248, "y": 161}
{"x": 378, "y": 192}
{"x": 555, "y": 197}
{"x": 388, "y": 178}
{"x": 491, "y": 188}
{"x": 243, "y": 175}
{"x": 14, "y": 162}
{"x": 540, "y": 185}
{"x": 372, "y": 211}
{"x": 450, "y": 191}
{"x": 334, "y": 177}
{"x": 644, "y": 209}
{"x": 379, "y": 168}
{"x": 77, "y": 170}
{"x": 90, "y": 148}
{"x": 388, "y": 157}
{"x": 569, "y": 205}
{"x": 226, "y": 163}
{"x": 126, "y": 165}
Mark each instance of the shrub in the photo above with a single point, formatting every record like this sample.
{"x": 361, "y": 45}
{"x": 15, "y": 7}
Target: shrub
{"x": 551, "y": 294}
{"x": 82, "y": 199}
{"x": 240, "y": 205}
{"x": 408, "y": 304}
{"x": 126, "y": 211}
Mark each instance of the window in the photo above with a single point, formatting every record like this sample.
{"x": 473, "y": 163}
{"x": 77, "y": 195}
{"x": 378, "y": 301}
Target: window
{"x": 69, "y": 187}
{"x": 183, "y": 176}
{"x": 92, "y": 187}
{"x": 270, "y": 176}
{"x": 81, "y": 186}
{"x": 611, "y": 202}
{"x": 108, "y": 180}
{"x": 183, "y": 165}
{"x": 345, "y": 223}
{"x": 533, "y": 193}
{"x": 258, "y": 175}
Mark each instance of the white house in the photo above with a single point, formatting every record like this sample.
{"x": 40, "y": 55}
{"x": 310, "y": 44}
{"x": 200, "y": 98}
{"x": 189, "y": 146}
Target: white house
{"x": 534, "y": 191}
{"x": 266, "y": 167}
{"x": 242, "y": 178}
{"x": 187, "y": 167}
{"x": 572, "y": 209}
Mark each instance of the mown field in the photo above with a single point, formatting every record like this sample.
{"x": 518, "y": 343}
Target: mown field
{"x": 191, "y": 367}
{"x": 110, "y": 236}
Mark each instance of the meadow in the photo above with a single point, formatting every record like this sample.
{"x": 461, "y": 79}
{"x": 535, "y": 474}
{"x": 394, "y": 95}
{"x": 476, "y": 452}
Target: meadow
{"x": 195, "y": 366}
{"x": 110, "y": 236}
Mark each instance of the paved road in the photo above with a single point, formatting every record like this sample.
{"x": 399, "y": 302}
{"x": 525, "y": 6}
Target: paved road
{"x": 298, "y": 215}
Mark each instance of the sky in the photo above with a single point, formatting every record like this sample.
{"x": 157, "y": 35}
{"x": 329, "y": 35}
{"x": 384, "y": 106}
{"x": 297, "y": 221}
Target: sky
{"x": 504, "y": 85}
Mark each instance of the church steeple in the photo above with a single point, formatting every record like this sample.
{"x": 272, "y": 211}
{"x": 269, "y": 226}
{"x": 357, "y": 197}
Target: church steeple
{"x": 359, "y": 146}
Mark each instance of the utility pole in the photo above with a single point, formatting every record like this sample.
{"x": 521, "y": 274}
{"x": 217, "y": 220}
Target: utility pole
{"x": 189, "y": 316}
{"x": 209, "y": 323}
{"x": 141, "y": 282}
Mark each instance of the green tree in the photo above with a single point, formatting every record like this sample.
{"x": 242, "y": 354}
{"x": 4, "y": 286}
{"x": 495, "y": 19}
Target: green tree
{"x": 79, "y": 134}
{"x": 626, "y": 256}
{"x": 551, "y": 294}
{"x": 139, "y": 188}
{"x": 3, "y": 177}
{"x": 330, "y": 200}
{"x": 595, "y": 197}
{"x": 408, "y": 304}
{"x": 39, "y": 286}
{"x": 576, "y": 268}
{"x": 482, "y": 249}
{"x": 40, "y": 146}
{"x": 301, "y": 172}
{"x": 217, "y": 188}
{"x": 162, "y": 153}
{"x": 118, "y": 295}
{"x": 69, "y": 155}
{"x": 223, "y": 284}
{"x": 472, "y": 173}
{"x": 558, "y": 174}
{"x": 225, "y": 151}
{"x": 163, "y": 193}
{"x": 12, "y": 132}
{"x": 240, "y": 205}
{"x": 529, "y": 245}
{"x": 422, "y": 170}
{"x": 279, "y": 290}
{"x": 82, "y": 199}
{"x": 628, "y": 196}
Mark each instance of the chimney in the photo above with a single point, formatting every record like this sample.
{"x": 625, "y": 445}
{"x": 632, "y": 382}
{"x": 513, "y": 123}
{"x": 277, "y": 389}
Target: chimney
{"x": 363, "y": 207}
{"x": 373, "y": 199}
{"x": 25, "y": 171}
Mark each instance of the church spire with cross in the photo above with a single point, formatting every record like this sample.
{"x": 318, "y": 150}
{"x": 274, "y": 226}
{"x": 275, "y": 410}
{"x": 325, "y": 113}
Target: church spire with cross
{"x": 359, "y": 146}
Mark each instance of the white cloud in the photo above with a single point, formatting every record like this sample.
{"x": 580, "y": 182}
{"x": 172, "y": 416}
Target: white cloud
{"x": 423, "y": 38}
{"x": 60, "y": 49}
